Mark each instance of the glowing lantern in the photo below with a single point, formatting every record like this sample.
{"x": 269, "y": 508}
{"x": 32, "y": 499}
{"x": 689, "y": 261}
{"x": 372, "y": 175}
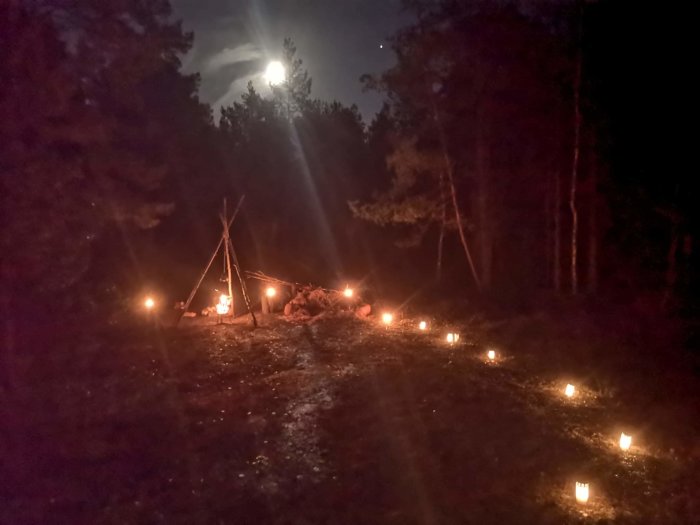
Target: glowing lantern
{"x": 582, "y": 492}
{"x": 387, "y": 318}
{"x": 491, "y": 354}
{"x": 452, "y": 338}
{"x": 348, "y": 292}
{"x": 625, "y": 441}
{"x": 570, "y": 390}
{"x": 422, "y": 325}
{"x": 149, "y": 303}
{"x": 270, "y": 291}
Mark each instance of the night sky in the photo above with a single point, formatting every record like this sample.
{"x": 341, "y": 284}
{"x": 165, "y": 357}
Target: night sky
{"x": 337, "y": 40}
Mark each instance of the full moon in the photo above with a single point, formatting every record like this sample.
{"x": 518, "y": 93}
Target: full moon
{"x": 275, "y": 74}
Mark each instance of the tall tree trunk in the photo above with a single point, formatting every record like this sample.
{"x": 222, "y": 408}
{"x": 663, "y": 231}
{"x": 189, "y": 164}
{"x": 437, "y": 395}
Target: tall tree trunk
{"x": 575, "y": 166}
{"x": 671, "y": 266}
{"x": 458, "y": 218}
{"x": 556, "y": 210}
{"x": 453, "y": 194}
{"x": 484, "y": 223}
{"x": 441, "y": 237}
{"x": 548, "y": 230}
{"x": 441, "y": 240}
{"x": 593, "y": 231}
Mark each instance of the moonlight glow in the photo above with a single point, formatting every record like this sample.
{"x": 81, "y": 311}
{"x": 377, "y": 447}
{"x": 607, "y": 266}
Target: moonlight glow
{"x": 275, "y": 73}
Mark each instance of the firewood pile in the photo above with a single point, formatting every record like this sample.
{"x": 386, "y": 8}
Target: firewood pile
{"x": 312, "y": 302}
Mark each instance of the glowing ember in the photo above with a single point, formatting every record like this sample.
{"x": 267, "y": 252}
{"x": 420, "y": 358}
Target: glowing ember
{"x": 491, "y": 355}
{"x": 149, "y": 303}
{"x": 387, "y": 318}
{"x": 422, "y": 325}
{"x": 452, "y": 338}
{"x": 581, "y": 492}
{"x": 270, "y": 291}
{"x": 348, "y": 292}
{"x": 625, "y": 441}
{"x": 570, "y": 390}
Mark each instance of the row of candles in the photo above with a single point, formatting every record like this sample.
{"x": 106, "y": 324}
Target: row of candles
{"x": 223, "y": 307}
{"x": 582, "y": 490}
{"x": 225, "y": 300}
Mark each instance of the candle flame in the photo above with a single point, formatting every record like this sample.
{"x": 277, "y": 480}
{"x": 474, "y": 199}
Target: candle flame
{"x": 422, "y": 325}
{"x": 491, "y": 355}
{"x": 570, "y": 390}
{"x": 582, "y": 492}
{"x": 625, "y": 441}
{"x": 149, "y": 303}
{"x": 271, "y": 291}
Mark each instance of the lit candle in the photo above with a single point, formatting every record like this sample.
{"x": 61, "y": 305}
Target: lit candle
{"x": 491, "y": 355}
{"x": 625, "y": 441}
{"x": 569, "y": 390}
{"x": 422, "y": 325}
{"x": 149, "y": 303}
{"x": 582, "y": 492}
{"x": 348, "y": 292}
{"x": 387, "y": 318}
{"x": 271, "y": 291}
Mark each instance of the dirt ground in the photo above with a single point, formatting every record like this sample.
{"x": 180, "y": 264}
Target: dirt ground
{"x": 347, "y": 422}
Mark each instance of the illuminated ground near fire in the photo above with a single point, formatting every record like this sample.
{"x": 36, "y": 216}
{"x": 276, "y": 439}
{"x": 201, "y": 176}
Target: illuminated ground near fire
{"x": 344, "y": 421}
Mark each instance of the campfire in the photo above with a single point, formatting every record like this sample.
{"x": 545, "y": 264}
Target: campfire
{"x": 307, "y": 301}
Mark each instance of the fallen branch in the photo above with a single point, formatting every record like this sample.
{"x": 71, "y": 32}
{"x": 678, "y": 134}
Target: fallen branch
{"x": 260, "y": 276}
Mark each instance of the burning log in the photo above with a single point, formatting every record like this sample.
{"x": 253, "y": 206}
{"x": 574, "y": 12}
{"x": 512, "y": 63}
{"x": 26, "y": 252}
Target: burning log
{"x": 310, "y": 302}
{"x": 307, "y": 300}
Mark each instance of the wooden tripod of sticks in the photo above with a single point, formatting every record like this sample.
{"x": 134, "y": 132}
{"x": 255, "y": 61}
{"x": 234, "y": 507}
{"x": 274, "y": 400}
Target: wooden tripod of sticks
{"x": 230, "y": 259}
